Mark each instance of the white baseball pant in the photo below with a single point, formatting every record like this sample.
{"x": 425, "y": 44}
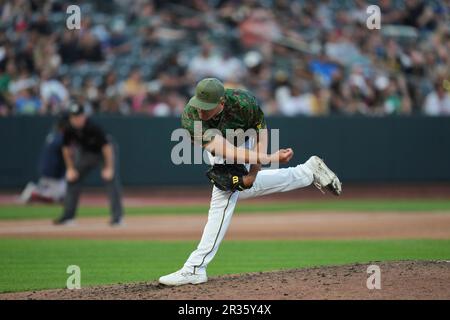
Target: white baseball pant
{"x": 223, "y": 204}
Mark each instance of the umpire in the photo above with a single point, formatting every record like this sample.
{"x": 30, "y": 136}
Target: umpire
{"x": 85, "y": 147}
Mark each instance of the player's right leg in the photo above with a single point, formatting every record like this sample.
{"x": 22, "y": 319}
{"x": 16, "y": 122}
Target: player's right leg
{"x": 281, "y": 180}
{"x": 219, "y": 218}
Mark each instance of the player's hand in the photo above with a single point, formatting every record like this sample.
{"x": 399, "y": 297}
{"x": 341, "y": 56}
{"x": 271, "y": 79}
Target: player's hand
{"x": 71, "y": 175}
{"x": 282, "y": 155}
{"x": 107, "y": 174}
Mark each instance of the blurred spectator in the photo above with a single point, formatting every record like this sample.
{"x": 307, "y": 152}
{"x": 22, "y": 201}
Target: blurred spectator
{"x": 145, "y": 56}
{"x": 118, "y": 42}
{"x": 154, "y": 104}
{"x": 323, "y": 68}
{"x": 111, "y": 101}
{"x": 68, "y": 47}
{"x": 111, "y": 86}
{"x": 419, "y": 14}
{"x": 5, "y": 81}
{"x": 396, "y": 97}
{"x": 41, "y": 25}
{"x": 172, "y": 74}
{"x": 27, "y": 102}
{"x": 339, "y": 93}
{"x": 259, "y": 29}
{"x": 54, "y": 95}
{"x": 295, "y": 101}
{"x": 437, "y": 102}
{"x": 340, "y": 49}
{"x": 92, "y": 94}
{"x": 134, "y": 89}
{"x": 231, "y": 68}
{"x": 89, "y": 48}
{"x": 21, "y": 81}
{"x": 46, "y": 55}
{"x": 206, "y": 63}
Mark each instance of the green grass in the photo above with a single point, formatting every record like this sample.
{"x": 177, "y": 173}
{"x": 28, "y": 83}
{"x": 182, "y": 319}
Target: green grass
{"x": 52, "y": 211}
{"x": 42, "y": 264}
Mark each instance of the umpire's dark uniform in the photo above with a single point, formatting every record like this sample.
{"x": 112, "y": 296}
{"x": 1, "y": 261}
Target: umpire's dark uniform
{"x": 88, "y": 142}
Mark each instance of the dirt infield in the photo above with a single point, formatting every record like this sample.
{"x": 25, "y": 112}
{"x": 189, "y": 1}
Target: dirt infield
{"x": 135, "y": 197}
{"x": 399, "y": 280}
{"x": 325, "y": 225}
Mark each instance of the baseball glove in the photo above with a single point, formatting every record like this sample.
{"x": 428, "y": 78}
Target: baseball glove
{"x": 228, "y": 177}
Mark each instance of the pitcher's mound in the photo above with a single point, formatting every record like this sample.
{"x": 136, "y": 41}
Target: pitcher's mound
{"x": 399, "y": 280}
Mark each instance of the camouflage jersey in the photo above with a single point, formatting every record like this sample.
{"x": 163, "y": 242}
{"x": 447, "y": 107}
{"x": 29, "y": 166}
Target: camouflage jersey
{"x": 241, "y": 111}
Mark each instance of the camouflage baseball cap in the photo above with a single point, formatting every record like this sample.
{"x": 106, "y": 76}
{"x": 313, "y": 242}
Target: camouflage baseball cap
{"x": 208, "y": 93}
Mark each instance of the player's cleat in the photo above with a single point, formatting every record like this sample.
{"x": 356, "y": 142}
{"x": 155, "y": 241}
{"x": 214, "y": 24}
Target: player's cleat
{"x": 323, "y": 176}
{"x": 27, "y": 193}
{"x": 181, "y": 277}
{"x": 117, "y": 223}
{"x": 64, "y": 222}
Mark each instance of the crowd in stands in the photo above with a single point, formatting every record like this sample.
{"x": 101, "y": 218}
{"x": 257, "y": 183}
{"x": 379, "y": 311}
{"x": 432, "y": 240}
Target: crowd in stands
{"x": 298, "y": 57}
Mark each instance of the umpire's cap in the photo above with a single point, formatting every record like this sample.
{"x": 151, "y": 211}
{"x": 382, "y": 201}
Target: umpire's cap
{"x": 208, "y": 94}
{"x": 75, "y": 109}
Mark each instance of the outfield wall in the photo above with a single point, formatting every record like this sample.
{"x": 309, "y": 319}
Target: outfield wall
{"x": 359, "y": 149}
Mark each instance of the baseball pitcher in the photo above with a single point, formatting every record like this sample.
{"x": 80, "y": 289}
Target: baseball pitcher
{"x": 236, "y": 169}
